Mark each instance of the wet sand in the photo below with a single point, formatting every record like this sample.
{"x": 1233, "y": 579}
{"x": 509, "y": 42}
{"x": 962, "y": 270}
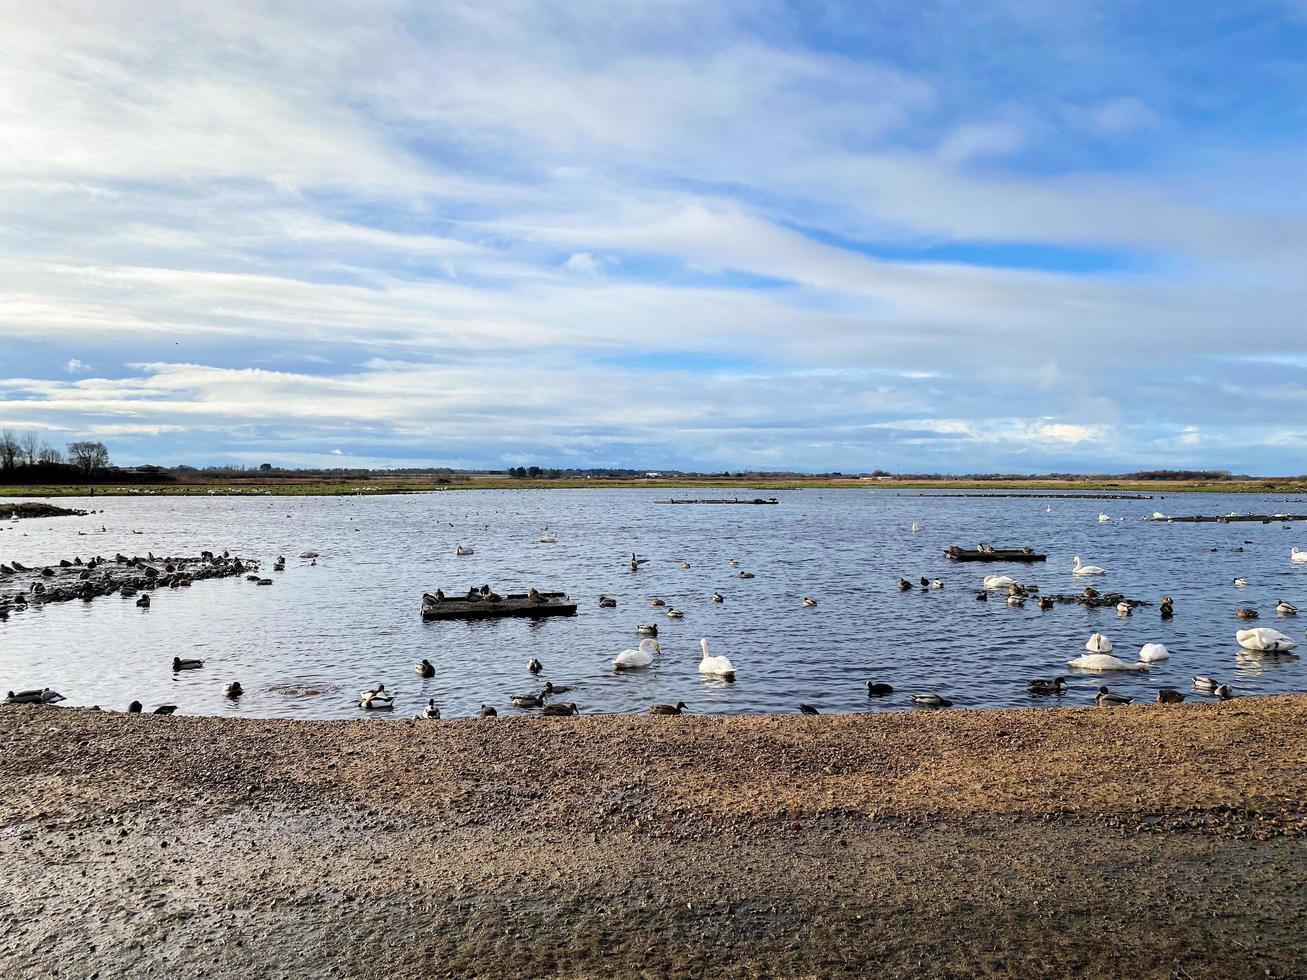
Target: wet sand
{"x": 1141, "y": 842}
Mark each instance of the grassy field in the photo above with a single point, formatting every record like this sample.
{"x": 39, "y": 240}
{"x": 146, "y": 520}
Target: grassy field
{"x": 317, "y": 486}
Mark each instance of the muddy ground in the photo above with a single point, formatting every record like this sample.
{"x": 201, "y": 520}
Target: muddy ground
{"x": 1139, "y": 842}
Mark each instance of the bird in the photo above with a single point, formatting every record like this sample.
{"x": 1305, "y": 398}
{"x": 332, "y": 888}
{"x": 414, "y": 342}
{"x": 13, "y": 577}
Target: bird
{"x": 527, "y": 700}
{"x": 733, "y": 561}
{"x": 143, "y": 601}
{"x": 134, "y": 708}
{"x": 534, "y": 665}
{"x": 809, "y": 602}
{"x": 607, "y": 602}
{"x": 915, "y": 527}
{"x": 931, "y": 701}
{"x": 232, "y": 690}
{"x": 746, "y": 575}
{"x": 1239, "y": 583}
{"x": 685, "y": 564}
{"x": 1087, "y": 569}
{"x": 1297, "y": 555}
{"x": 718, "y": 666}
{"x": 876, "y": 689}
{"x": 1245, "y": 613}
{"x": 641, "y": 657}
{"x": 1169, "y": 695}
{"x": 431, "y": 712}
{"x": 982, "y": 596}
{"x": 42, "y": 696}
{"x": 461, "y": 551}
{"x": 423, "y": 668}
{"x": 1103, "y": 518}
{"x": 998, "y": 581}
{"x": 656, "y": 602}
{"x": 1016, "y": 600}
{"x": 1103, "y": 662}
{"x": 552, "y": 688}
{"x": 1263, "y": 639}
{"x": 1167, "y": 608}
{"x": 1042, "y": 685}
{"x": 488, "y": 712}
{"x": 1098, "y": 643}
{"x": 376, "y": 699}
{"x": 1153, "y": 652}
{"x": 1104, "y": 697}
{"x": 1123, "y": 608}
{"x": 179, "y": 664}
{"x": 1283, "y": 608}
{"x": 647, "y": 630}
{"x": 559, "y": 710}
{"x": 673, "y": 613}
{"x": 905, "y": 585}
{"x": 1089, "y": 592}
{"x": 807, "y": 709}
{"x": 937, "y": 583}
{"x": 1045, "y": 602}
{"x": 165, "y": 709}
{"x": 718, "y": 597}
{"x": 925, "y": 582}
{"x": 667, "y": 709}
{"x": 1211, "y": 685}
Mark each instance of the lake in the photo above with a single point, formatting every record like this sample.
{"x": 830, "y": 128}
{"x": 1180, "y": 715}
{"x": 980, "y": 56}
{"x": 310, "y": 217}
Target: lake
{"x": 304, "y": 647}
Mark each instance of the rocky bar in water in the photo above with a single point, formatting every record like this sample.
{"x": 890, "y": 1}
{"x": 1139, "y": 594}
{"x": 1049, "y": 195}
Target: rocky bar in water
{"x": 1144, "y": 841}
{"x": 36, "y": 509}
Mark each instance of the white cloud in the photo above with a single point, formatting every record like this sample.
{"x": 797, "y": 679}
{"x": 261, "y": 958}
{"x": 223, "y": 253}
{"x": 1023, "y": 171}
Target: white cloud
{"x": 75, "y": 366}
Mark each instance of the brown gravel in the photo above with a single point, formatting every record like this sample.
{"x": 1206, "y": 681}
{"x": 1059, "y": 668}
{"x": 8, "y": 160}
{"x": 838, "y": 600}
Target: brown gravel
{"x": 1139, "y": 841}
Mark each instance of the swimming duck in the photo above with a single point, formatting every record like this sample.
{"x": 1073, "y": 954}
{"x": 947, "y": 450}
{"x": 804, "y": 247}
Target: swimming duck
{"x": 1246, "y": 613}
{"x": 1283, "y": 608}
{"x": 559, "y": 710}
{"x": 179, "y": 664}
{"x": 746, "y": 575}
{"x": 551, "y": 688}
{"x": 1240, "y": 582}
{"x": 431, "y": 712}
{"x": 931, "y": 701}
{"x": 1212, "y": 686}
{"x": 1016, "y": 600}
{"x": 718, "y": 597}
{"x": 488, "y": 712}
{"x": 647, "y": 630}
{"x": 668, "y": 709}
{"x": 733, "y": 561}
{"x": 905, "y": 585}
{"x": 718, "y": 666}
{"x": 527, "y": 701}
{"x": 607, "y": 602}
{"x": 937, "y": 583}
{"x": 655, "y": 602}
{"x": 143, "y": 601}
{"x": 1042, "y": 685}
{"x": 1123, "y": 608}
{"x": 376, "y": 699}
{"x": 1167, "y": 608}
{"x": 875, "y": 689}
{"x": 1080, "y": 569}
{"x": 1015, "y": 589}
{"x": 685, "y": 564}
{"x": 1098, "y": 643}
{"x": 673, "y": 613}
{"x": 809, "y": 602}
{"x": 634, "y": 659}
{"x": 534, "y": 665}
{"x": 279, "y": 565}
{"x": 423, "y": 668}
{"x": 1264, "y": 639}
{"x": 807, "y": 709}
{"x": 1105, "y": 698}
{"x": 1045, "y": 602}
{"x": 982, "y": 596}
{"x": 232, "y": 690}
{"x": 165, "y": 709}
{"x": 1153, "y": 652}
{"x": 1089, "y": 593}
{"x": 1169, "y": 695}
{"x": 925, "y": 582}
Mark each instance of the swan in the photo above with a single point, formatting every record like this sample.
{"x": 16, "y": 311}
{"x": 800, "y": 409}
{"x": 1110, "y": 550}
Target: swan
{"x": 431, "y": 712}
{"x": 1297, "y": 555}
{"x": 424, "y": 669}
{"x": 460, "y": 551}
{"x": 632, "y": 659}
{"x": 1152, "y": 652}
{"x": 915, "y": 527}
{"x": 1103, "y": 662}
{"x": 1286, "y": 608}
{"x": 1106, "y": 697}
{"x": 1263, "y": 638}
{"x": 998, "y": 581}
{"x": 309, "y": 553}
{"x": 1098, "y": 643}
{"x": 1103, "y": 519}
{"x": 377, "y": 699}
{"x": 719, "y": 666}
{"x": 1088, "y": 569}
{"x": 548, "y": 537}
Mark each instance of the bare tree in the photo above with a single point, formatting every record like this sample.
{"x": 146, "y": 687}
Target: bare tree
{"x": 89, "y": 457}
{"x": 8, "y": 449}
{"x": 31, "y": 447}
{"x": 48, "y": 454}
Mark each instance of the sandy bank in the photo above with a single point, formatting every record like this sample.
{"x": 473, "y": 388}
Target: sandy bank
{"x": 1137, "y": 841}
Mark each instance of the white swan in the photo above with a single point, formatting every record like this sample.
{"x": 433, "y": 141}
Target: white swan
{"x": 1098, "y": 643}
{"x": 1264, "y": 639}
{"x": 915, "y": 527}
{"x": 1104, "y": 662}
{"x": 460, "y": 550}
{"x": 1103, "y": 518}
{"x": 1088, "y": 569}
{"x": 719, "y": 666}
{"x": 998, "y": 581}
{"x": 632, "y": 659}
{"x": 548, "y": 537}
{"x": 1152, "y": 652}
{"x": 1297, "y": 555}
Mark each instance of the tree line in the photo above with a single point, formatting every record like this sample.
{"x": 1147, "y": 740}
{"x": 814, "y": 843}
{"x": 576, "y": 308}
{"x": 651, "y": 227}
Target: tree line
{"x": 28, "y": 454}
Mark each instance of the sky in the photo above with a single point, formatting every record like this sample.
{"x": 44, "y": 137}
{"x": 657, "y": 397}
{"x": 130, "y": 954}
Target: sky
{"x": 916, "y": 235}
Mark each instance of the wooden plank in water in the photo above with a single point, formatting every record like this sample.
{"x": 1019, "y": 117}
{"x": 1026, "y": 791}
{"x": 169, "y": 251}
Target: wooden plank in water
{"x": 722, "y": 500}
{"x": 517, "y": 604}
{"x": 993, "y": 554}
{"x": 1228, "y": 518}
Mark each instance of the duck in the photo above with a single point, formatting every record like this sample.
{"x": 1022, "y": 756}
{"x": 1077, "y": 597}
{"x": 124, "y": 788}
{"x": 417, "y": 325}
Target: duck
{"x": 487, "y": 712}
{"x": 998, "y": 581}
{"x": 1106, "y": 698}
{"x": 1042, "y": 685}
{"x": 44, "y": 696}
{"x": 1089, "y": 592}
{"x": 559, "y": 710}
{"x": 431, "y": 712}
{"x": 1283, "y": 608}
{"x": 1016, "y": 600}
{"x": 280, "y": 564}
{"x": 733, "y": 562}
{"x": 647, "y": 629}
{"x": 534, "y": 665}
{"x": 1297, "y": 555}
{"x": 1168, "y": 695}
{"x": 376, "y": 699}
{"x": 179, "y": 664}
{"x": 635, "y": 659}
{"x": 937, "y": 583}
{"x": 423, "y": 668}
{"x": 232, "y": 690}
{"x": 931, "y": 701}
{"x": 925, "y": 582}
{"x": 982, "y": 596}
{"x": 1239, "y": 583}
{"x": 1264, "y": 639}
{"x": 1153, "y": 652}
{"x": 877, "y": 689}
{"x": 1098, "y": 643}
{"x": 527, "y": 701}
{"x": 143, "y": 601}
{"x": 1212, "y": 686}
{"x": 1045, "y": 602}
{"x": 685, "y": 565}
{"x": 807, "y": 709}
{"x": 607, "y": 602}
{"x": 1123, "y": 608}
{"x": 718, "y": 666}
{"x": 1103, "y": 662}
{"x": 656, "y": 602}
{"x": 165, "y": 709}
{"x": 1244, "y": 612}
{"x": 718, "y": 597}
{"x": 460, "y": 551}
{"x": 668, "y": 709}
{"x": 134, "y": 708}
{"x": 905, "y": 585}
{"x": 746, "y": 575}
{"x": 809, "y": 603}
{"x": 551, "y": 688}
{"x": 1080, "y": 569}
{"x": 1167, "y": 608}
{"x": 674, "y": 613}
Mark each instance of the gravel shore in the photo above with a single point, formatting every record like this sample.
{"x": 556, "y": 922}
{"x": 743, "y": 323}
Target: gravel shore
{"x": 1140, "y": 842}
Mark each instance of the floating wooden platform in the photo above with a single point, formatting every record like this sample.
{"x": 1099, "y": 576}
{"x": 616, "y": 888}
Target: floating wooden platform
{"x": 996, "y": 554}
{"x": 1044, "y": 496}
{"x": 722, "y": 500}
{"x": 516, "y": 604}
{"x": 1229, "y": 518}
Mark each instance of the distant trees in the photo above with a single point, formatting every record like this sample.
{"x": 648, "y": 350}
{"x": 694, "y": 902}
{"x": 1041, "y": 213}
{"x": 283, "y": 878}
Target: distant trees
{"x": 89, "y": 457}
{"x": 9, "y": 449}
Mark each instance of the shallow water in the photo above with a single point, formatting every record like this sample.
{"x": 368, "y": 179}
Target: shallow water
{"x": 305, "y": 646}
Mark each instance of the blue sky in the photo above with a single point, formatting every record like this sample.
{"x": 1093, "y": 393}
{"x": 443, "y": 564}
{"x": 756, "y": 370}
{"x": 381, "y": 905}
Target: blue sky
{"x": 945, "y": 236}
